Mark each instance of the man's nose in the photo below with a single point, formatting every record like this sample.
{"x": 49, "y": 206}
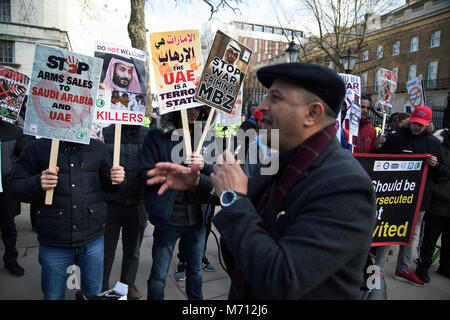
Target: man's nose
{"x": 264, "y": 105}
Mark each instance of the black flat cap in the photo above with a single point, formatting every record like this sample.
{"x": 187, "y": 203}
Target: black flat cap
{"x": 320, "y": 80}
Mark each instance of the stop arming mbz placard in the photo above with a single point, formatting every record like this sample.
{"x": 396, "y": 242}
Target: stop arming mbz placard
{"x": 224, "y": 73}
{"x": 62, "y": 92}
{"x": 399, "y": 181}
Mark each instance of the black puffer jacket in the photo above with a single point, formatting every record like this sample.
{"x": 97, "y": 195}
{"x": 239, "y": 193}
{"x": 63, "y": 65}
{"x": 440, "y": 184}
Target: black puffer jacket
{"x": 132, "y": 138}
{"x": 78, "y": 212}
{"x": 12, "y": 143}
{"x": 404, "y": 142}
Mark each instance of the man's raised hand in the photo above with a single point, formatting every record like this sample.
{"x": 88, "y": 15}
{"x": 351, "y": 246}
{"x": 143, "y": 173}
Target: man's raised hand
{"x": 173, "y": 176}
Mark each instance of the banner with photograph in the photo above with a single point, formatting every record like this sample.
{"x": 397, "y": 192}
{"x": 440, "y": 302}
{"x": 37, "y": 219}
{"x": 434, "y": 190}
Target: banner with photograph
{"x": 387, "y": 89}
{"x": 224, "y": 73}
{"x": 13, "y": 88}
{"x": 416, "y": 91}
{"x": 123, "y": 83}
{"x": 63, "y": 89}
{"x": 399, "y": 181}
{"x": 177, "y": 64}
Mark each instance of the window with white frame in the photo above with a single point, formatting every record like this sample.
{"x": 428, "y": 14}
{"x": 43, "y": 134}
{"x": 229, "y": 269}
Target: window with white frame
{"x": 380, "y": 52}
{"x": 412, "y": 71}
{"x": 377, "y": 79}
{"x": 365, "y": 55}
{"x": 396, "y": 48}
{"x": 435, "y": 39}
{"x": 364, "y": 80}
{"x": 432, "y": 74}
{"x": 395, "y": 71}
{"x": 414, "y": 45}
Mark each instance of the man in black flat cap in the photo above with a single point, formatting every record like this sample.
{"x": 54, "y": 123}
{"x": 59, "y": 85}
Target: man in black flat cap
{"x": 305, "y": 232}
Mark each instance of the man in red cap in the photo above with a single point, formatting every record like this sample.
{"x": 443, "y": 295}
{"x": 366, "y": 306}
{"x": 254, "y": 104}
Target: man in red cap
{"x": 415, "y": 138}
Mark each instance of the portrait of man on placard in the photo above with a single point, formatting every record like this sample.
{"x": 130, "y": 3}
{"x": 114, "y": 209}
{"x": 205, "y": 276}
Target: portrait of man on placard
{"x": 121, "y": 74}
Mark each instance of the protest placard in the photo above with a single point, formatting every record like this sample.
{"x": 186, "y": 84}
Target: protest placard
{"x": 177, "y": 64}
{"x": 399, "y": 181}
{"x": 123, "y": 83}
{"x": 224, "y": 73}
{"x": 353, "y": 103}
{"x": 226, "y": 119}
{"x": 63, "y": 89}
{"x": 387, "y": 89}
{"x": 13, "y": 88}
{"x": 416, "y": 91}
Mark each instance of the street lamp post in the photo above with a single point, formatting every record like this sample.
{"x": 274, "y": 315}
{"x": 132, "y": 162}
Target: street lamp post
{"x": 349, "y": 60}
{"x": 292, "y": 51}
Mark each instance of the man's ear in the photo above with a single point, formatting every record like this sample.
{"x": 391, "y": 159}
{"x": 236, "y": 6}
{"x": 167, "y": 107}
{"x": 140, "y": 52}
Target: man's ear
{"x": 316, "y": 111}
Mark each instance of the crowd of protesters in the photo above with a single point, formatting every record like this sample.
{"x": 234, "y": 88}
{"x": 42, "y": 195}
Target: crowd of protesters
{"x": 302, "y": 233}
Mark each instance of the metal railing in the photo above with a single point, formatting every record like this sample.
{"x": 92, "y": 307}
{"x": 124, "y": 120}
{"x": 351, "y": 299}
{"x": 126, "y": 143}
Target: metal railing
{"x": 438, "y": 84}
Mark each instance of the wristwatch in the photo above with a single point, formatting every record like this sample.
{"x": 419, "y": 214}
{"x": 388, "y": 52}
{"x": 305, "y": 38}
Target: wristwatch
{"x": 228, "y": 197}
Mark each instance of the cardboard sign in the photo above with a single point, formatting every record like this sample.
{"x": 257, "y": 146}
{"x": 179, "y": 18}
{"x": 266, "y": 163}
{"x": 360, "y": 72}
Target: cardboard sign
{"x": 123, "y": 95}
{"x": 224, "y": 73}
{"x": 416, "y": 91}
{"x": 225, "y": 119}
{"x": 353, "y": 102}
{"x": 63, "y": 89}
{"x": 13, "y": 88}
{"x": 399, "y": 181}
{"x": 177, "y": 64}
{"x": 387, "y": 89}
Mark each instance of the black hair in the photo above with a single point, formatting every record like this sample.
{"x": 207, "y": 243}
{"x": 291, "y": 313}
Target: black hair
{"x": 366, "y": 96}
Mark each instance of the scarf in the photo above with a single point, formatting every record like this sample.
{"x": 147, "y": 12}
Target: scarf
{"x": 302, "y": 158}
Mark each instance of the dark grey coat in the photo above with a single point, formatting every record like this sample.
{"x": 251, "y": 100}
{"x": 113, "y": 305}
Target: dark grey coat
{"x": 325, "y": 233}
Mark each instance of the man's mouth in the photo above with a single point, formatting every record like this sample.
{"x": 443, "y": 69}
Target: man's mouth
{"x": 124, "y": 81}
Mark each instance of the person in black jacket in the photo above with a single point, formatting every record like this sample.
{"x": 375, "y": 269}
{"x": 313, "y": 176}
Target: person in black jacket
{"x": 172, "y": 215}
{"x": 12, "y": 143}
{"x": 125, "y": 209}
{"x": 70, "y": 230}
{"x": 437, "y": 220}
{"x": 414, "y": 138}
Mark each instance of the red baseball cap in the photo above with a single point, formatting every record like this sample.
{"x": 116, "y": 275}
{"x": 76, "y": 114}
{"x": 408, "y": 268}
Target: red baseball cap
{"x": 257, "y": 115}
{"x": 421, "y": 115}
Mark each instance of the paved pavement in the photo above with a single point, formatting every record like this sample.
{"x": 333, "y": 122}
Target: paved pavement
{"x": 215, "y": 284}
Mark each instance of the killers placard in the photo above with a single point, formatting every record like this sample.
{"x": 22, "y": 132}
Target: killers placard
{"x": 62, "y": 92}
{"x": 224, "y": 73}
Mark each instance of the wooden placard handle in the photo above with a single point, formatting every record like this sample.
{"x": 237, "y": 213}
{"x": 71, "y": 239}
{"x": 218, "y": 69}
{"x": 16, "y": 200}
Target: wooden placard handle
{"x": 117, "y": 136}
{"x": 52, "y": 166}
{"x": 229, "y": 139}
{"x": 186, "y": 134}
{"x": 205, "y": 131}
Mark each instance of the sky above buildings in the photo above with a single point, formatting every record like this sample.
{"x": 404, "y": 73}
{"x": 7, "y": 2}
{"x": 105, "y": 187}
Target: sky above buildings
{"x": 166, "y": 15}
{"x": 192, "y": 14}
